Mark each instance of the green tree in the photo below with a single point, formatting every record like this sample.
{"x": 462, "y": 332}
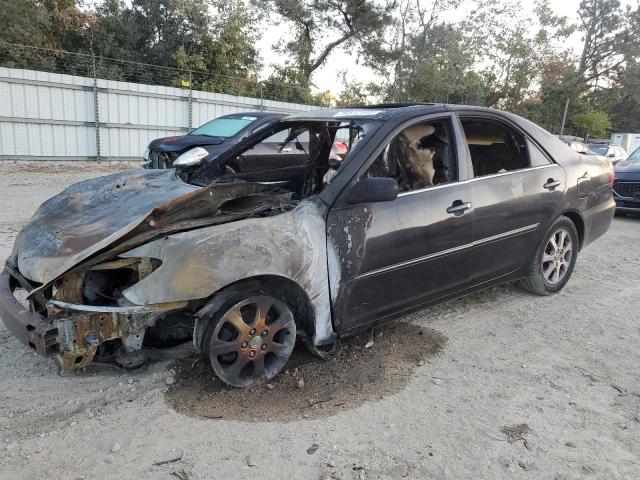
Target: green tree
{"x": 48, "y": 25}
{"x": 322, "y": 26}
{"x": 353, "y": 93}
{"x": 592, "y": 124}
{"x": 286, "y": 84}
{"x": 608, "y": 37}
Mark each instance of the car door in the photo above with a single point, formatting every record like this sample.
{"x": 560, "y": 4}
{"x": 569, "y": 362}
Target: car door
{"x": 512, "y": 206}
{"x": 386, "y": 257}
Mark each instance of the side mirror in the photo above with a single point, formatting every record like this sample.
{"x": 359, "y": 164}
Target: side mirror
{"x": 373, "y": 189}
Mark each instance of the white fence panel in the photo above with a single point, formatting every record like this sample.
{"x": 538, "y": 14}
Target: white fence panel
{"x": 49, "y": 116}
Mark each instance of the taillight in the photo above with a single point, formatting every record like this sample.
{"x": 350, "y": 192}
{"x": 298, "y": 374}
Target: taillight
{"x": 340, "y": 148}
{"x": 612, "y": 175}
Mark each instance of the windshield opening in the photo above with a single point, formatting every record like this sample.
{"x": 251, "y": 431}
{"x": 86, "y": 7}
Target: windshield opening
{"x": 302, "y": 156}
{"x": 223, "y": 127}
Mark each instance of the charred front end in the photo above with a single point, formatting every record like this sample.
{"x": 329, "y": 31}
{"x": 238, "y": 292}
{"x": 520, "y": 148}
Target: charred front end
{"x": 71, "y": 319}
{"x": 62, "y": 291}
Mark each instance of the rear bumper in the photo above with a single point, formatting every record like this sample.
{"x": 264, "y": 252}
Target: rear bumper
{"x": 597, "y": 220}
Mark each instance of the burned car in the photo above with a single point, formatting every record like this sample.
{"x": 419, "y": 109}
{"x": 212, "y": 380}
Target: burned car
{"x": 430, "y": 202}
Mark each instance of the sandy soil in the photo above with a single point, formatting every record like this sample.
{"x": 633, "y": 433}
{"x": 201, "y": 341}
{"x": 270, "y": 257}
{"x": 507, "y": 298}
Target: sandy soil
{"x": 524, "y": 387}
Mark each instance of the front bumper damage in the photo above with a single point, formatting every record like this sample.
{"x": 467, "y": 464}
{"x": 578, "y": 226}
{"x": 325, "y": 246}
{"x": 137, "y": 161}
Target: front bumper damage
{"x": 70, "y": 333}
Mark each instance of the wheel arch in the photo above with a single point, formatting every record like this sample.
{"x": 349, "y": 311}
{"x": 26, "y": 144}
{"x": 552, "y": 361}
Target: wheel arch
{"x": 578, "y": 221}
{"x": 278, "y": 286}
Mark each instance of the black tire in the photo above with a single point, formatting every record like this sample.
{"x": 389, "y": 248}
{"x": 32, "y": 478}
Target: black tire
{"x": 249, "y": 338}
{"x": 551, "y": 267}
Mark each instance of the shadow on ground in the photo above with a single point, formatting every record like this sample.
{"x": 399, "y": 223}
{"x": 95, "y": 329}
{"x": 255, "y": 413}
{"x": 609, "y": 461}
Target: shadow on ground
{"x": 353, "y": 376}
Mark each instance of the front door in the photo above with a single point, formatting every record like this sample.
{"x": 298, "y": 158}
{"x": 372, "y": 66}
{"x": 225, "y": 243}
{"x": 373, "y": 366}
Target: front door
{"x": 386, "y": 257}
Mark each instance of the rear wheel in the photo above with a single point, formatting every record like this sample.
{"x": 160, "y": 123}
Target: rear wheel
{"x": 251, "y": 339}
{"x": 555, "y": 259}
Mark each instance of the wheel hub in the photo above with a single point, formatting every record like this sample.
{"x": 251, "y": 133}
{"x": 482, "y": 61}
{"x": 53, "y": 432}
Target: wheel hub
{"x": 255, "y": 342}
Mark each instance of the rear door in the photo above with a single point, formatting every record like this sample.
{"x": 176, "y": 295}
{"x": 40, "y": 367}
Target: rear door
{"x": 516, "y": 190}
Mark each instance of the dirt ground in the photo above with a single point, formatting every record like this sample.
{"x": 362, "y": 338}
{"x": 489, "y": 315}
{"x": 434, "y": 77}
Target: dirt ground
{"x": 499, "y": 384}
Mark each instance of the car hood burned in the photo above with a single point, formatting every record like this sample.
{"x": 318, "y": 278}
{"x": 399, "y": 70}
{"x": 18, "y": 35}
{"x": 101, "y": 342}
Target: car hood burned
{"x": 105, "y": 216}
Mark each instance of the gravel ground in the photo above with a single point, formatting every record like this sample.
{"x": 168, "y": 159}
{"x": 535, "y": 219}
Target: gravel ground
{"x": 524, "y": 387}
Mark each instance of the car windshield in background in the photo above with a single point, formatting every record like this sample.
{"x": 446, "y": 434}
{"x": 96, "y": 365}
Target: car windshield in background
{"x": 223, "y": 127}
{"x": 635, "y": 156}
{"x": 600, "y": 150}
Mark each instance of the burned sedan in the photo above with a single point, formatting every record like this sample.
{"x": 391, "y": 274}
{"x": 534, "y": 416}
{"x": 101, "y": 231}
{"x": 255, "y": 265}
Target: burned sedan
{"x": 430, "y": 202}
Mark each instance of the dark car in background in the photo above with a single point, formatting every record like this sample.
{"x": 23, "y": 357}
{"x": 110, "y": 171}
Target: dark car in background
{"x": 284, "y": 149}
{"x": 206, "y": 141}
{"x": 626, "y": 188}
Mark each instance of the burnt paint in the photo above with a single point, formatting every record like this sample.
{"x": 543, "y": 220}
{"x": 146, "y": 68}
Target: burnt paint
{"x": 198, "y": 263}
{"x": 94, "y": 215}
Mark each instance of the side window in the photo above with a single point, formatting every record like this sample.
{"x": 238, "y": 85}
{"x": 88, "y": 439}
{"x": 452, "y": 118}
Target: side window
{"x": 277, "y": 137}
{"x": 538, "y": 159}
{"x": 494, "y": 147}
{"x": 281, "y": 137}
{"x": 419, "y": 156}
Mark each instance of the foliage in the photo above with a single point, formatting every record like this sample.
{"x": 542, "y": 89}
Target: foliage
{"x": 592, "y": 124}
{"x": 353, "y": 94}
{"x": 321, "y": 26}
{"x": 213, "y": 38}
{"x": 494, "y": 55}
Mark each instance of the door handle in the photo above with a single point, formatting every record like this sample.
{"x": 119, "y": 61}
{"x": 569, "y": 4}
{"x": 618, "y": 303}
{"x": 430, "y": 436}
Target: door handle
{"x": 551, "y": 184}
{"x": 458, "y": 207}
{"x": 286, "y": 149}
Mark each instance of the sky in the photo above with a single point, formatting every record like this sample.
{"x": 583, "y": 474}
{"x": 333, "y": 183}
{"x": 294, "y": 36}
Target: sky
{"x": 329, "y": 77}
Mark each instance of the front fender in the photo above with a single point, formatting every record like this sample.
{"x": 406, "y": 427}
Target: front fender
{"x": 198, "y": 263}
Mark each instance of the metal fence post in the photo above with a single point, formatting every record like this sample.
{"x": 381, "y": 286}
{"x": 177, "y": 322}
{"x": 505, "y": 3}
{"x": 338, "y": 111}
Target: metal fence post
{"x": 96, "y": 111}
{"x": 190, "y": 100}
{"x": 261, "y": 98}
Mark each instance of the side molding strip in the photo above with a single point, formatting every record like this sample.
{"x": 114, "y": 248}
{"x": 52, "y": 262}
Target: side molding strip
{"x": 449, "y": 251}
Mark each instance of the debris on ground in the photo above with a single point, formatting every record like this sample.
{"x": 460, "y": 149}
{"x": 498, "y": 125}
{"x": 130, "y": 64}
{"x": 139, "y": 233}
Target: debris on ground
{"x": 182, "y": 474}
{"x": 170, "y": 460}
{"x": 515, "y": 433}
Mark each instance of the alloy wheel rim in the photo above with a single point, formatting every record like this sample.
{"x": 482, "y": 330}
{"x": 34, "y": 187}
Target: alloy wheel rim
{"x": 557, "y": 256}
{"x": 252, "y": 341}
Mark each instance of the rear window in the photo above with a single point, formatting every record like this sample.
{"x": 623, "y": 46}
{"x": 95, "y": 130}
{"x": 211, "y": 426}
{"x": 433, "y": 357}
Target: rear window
{"x": 223, "y": 127}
